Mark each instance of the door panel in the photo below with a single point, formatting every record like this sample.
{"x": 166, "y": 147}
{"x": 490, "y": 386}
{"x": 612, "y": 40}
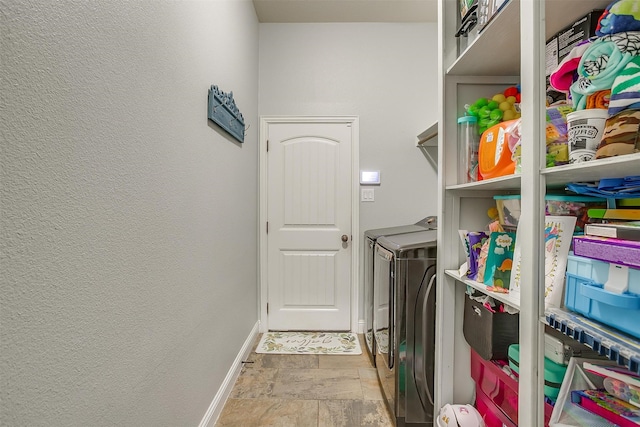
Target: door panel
{"x": 309, "y": 279}
{"x": 309, "y": 211}
{"x": 310, "y": 181}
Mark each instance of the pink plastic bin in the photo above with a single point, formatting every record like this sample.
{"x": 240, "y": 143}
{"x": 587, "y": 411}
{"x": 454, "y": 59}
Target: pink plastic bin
{"x": 492, "y": 415}
{"x": 499, "y": 388}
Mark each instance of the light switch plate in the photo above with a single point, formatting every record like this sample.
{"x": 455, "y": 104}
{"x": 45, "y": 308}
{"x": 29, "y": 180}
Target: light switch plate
{"x": 367, "y": 195}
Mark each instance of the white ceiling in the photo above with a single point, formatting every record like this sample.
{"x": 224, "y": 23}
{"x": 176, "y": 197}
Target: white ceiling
{"x": 291, "y": 11}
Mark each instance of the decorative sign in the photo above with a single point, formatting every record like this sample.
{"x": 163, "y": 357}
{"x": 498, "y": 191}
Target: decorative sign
{"x": 223, "y": 111}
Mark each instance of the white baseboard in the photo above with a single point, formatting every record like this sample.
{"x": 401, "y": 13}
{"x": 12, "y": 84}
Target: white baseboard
{"x": 212, "y": 414}
{"x": 361, "y": 327}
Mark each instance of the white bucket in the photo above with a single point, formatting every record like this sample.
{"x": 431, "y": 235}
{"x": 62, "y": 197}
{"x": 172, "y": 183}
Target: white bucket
{"x": 585, "y": 128}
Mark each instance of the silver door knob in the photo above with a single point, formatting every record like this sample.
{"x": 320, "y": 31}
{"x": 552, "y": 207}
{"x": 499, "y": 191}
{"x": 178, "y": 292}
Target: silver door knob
{"x": 345, "y": 238}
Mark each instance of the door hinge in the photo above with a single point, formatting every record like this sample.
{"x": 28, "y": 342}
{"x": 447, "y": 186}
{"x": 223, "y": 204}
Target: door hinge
{"x": 267, "y": 227}
{"x": 267, "y": 308}
{"x": 267, "y": 145}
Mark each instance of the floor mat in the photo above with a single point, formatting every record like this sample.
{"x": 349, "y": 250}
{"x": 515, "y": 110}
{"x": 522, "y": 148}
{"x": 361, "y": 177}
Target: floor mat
{"x": 309, "y": 343}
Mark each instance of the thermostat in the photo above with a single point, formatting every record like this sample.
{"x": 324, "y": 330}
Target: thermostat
{"x": 370, "y": 177}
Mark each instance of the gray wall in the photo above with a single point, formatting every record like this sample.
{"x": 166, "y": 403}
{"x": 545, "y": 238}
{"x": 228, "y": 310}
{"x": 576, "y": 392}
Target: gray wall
{"x": 128, "y": 250}
{"x": 383, "y": 73}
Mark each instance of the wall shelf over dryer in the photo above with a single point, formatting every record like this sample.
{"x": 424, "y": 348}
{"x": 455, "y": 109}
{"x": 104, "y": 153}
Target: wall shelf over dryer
{"x": 427, "y": 140}
{"x": 223, "y": 111}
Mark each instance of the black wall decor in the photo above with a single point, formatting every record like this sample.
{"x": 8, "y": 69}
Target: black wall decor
{"x": 224, "y": 112}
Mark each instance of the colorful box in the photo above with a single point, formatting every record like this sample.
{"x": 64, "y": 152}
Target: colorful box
{"x": 609, "y": 407}
{"x": 616, "y": 251}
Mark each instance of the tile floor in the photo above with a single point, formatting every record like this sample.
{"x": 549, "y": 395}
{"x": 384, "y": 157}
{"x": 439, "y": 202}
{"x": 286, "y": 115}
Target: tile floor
{"x": 306, "y": 390}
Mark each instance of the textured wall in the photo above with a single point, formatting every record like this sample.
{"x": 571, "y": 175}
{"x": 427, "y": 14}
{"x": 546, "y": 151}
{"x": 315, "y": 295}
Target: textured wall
{"x": 128, "y": 222}
{"x": 384, "y": 73}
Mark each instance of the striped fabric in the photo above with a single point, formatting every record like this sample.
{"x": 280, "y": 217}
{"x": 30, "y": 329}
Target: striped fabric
{"x": 625, "y": 92}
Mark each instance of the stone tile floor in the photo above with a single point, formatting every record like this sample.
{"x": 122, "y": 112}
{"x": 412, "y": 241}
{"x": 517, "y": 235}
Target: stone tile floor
{"x": 306, "y": 390}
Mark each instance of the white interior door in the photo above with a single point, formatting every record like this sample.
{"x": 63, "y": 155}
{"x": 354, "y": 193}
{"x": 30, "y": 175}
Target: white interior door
{"x": 309, "y": 239}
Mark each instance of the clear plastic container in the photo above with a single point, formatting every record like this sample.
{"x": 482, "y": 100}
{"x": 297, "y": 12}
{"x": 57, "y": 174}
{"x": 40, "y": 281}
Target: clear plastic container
{"x": 468, "y": 143}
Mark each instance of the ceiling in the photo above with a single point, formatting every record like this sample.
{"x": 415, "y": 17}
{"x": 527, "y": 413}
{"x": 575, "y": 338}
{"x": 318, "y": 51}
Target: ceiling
{"x": 292, "y": 11}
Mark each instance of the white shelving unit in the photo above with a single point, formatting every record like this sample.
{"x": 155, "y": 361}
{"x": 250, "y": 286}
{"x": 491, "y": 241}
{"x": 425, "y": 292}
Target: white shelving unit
{"x": 508, "y": 51}
{"x": 508, "y": 299}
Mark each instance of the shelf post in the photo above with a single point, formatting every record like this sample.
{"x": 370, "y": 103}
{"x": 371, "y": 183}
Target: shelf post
{"x": 447, "y": 254}
{"x": 531, "y": 225}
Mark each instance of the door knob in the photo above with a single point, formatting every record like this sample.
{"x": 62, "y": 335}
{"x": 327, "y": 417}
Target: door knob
{"x": 345, "y": 238}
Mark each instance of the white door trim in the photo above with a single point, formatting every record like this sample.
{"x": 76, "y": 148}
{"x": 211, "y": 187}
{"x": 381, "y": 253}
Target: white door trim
{"x": 355, "y": 209}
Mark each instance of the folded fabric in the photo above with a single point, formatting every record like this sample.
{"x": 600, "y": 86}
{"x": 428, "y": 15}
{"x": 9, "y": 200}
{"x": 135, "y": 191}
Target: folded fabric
{"x": 589, "y": 189}
{"x": 600, "y": 99}
{"x": 618, "y": 17}
{"x": 625, "y": 92}
{"x": 565, "y": 73}
{"x": 621, "y": 135}
{"x": 601, "y": 63}
{"x": 611, "y": 184}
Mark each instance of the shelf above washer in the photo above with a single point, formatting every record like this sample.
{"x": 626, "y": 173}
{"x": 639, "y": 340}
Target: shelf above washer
{"x": 428, "y": 137}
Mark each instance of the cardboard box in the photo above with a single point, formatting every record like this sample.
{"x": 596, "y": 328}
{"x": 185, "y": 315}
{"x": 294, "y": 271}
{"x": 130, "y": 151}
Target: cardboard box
{"x": 561, "y": 44}
{"x": 487, "y": 9}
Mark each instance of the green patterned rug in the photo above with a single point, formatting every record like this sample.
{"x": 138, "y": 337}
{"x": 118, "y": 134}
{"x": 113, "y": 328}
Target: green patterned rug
{"x": 309, "y": 343}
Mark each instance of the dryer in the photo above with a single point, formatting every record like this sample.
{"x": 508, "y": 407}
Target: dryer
{"x": 404, "y": 324}
{"x": 370, "y": 238}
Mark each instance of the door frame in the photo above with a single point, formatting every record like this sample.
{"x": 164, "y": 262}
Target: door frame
{"x": 355, "y": 210}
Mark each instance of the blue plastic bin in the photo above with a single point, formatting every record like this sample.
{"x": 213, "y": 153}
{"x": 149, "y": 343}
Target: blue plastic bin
{"x": 585, "y": 294}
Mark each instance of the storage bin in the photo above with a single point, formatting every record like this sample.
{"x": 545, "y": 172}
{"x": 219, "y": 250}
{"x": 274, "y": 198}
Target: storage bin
{"x": 559, "y": 205}
{"x": 598, "y": 271}
{"x": 553, "y": 372}
{"x": 589, "y": 298}
{"x": 499, "y": 387}
{"x": 492, "y": 415}
{"x": 585, "y": 294}
{"x": 489, "y": 334}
